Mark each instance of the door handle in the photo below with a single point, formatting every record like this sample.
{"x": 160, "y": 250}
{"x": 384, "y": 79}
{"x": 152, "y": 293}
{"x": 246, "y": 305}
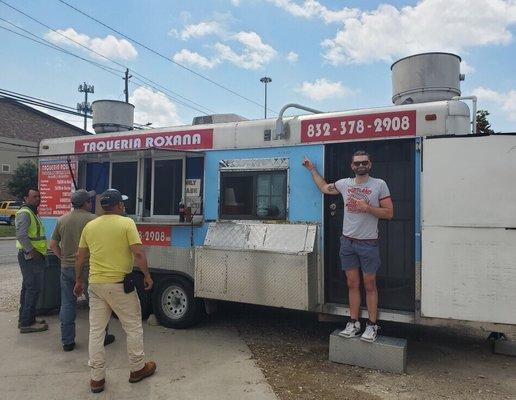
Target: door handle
{"x": 333, "y": 206}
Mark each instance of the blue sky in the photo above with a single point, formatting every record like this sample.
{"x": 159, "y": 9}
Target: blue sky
{"x": 330, "y": 55}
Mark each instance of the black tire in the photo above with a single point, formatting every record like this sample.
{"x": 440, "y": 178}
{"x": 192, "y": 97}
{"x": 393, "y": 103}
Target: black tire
{"x": 11, "y": 220}
{"x": 174, "y": 303}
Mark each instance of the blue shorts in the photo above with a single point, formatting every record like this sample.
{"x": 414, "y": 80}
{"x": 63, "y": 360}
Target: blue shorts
{"x": 359, "y": 254}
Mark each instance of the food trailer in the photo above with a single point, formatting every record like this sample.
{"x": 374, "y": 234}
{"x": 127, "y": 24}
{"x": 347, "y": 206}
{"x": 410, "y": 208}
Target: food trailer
{"x": 261, "y": 233}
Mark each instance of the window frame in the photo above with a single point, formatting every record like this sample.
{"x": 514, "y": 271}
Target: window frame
{"x": 138, "y": 179}
{"x": 183, "y": 181}
{"x": 141, "y": 158}
{"x": 254, "y": 173}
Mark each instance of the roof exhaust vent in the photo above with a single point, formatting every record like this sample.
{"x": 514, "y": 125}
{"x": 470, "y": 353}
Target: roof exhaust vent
{"x": 112, "y": 116}
{"x": 217, "y": 119}
{"x": 426, "y": 77}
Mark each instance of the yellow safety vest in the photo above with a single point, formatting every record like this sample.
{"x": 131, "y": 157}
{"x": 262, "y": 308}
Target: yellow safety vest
{"x": 36, "y": 232}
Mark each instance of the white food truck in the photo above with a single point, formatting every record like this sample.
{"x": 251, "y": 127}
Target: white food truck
{"x": 261, "y": 232}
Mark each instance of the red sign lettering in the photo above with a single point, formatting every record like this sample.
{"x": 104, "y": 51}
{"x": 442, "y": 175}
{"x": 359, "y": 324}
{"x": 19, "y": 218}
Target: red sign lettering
{"x": 365, "y": 126}
{"x": 155, "y": 235}
{"x": 180, "y": 140}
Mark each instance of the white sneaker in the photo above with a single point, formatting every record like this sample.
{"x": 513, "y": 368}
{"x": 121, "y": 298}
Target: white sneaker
{"x": 352, "y": 329}
{"x": 371, "y": 333}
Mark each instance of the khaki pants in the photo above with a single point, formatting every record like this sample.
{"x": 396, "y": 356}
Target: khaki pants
{"x": 104, "y": 298}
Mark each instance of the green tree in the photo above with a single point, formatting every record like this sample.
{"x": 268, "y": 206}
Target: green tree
{"x": 25, "y": 176}
{"x": 483, "y": 125}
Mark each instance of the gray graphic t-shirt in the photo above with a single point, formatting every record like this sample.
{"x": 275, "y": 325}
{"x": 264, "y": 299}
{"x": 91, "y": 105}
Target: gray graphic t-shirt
{"x": 356, "y": 224}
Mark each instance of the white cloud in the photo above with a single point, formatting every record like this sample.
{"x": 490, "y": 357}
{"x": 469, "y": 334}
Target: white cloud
{"x": 314, "y": 9}
{"x": 323, "y": 89}
{"x": 431, "y": 25}
{"x": 192, "y": 58}
{"x": 155, "y": 107}
{"x": 465, "y": 68}
{"x": 254, "y": 54}
{"x": 108, "y": 46}
{"x": 292, "y": 57}
{"x": 201, "y": 29}
{"x": 505, "y": 101}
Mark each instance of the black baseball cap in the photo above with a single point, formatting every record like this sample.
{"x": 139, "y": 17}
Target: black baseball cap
{"x": 111, "y": 197}
{"x": 81, "y": 196}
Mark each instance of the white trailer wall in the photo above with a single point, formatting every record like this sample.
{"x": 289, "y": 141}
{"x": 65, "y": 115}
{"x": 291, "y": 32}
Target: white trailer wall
{"x": 469, "y": 228}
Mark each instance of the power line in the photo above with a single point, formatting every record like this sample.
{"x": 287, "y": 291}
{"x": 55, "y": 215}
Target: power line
{"x": 95, "y": 52}
{"x": 21, "y": 99}
{"x": 55, "y": 47}
{"x": 18, "y": 144}
{"x": 10, "y": 92}
{"x": 161, "y": 55}
{"x": 38, "y": 102}
{"x": 105, "y": 68}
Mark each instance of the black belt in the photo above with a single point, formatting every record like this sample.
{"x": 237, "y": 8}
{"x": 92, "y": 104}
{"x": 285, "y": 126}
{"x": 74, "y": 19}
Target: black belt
{"x": 365, "y": 241}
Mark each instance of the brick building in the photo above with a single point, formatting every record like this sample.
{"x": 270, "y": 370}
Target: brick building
{"x": 21, "y": 129}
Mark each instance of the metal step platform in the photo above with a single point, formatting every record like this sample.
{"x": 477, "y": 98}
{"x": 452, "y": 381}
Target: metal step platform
{"x": 386, "y": 353}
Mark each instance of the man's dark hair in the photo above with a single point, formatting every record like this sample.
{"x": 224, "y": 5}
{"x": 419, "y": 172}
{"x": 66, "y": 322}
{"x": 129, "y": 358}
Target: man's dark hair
{"x": 109, "y": 207}
{"x": 360, "y": 153}
{"x": 26, "y": 192}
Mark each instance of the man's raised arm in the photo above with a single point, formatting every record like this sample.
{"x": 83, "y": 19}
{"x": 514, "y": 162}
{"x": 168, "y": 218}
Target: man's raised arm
{"x": 324, "y": 187}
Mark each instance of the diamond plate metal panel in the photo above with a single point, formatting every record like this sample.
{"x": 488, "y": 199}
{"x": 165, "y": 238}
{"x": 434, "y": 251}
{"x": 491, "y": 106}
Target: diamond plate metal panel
{"x": 281, "y": 238}
{"x": 171, "y": 258}
{"x": 254, "y": 164}
{"x": 255, "y": 277}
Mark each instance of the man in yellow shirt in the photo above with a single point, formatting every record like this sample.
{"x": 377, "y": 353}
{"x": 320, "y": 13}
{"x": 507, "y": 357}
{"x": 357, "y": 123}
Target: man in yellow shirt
{"x": 111, "y": 240}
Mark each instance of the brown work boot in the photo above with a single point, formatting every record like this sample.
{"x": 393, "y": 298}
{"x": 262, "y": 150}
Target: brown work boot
{"x": 146, "y": 371}
{"x": 97, "y": 386}
{"x": 35, "y": 327}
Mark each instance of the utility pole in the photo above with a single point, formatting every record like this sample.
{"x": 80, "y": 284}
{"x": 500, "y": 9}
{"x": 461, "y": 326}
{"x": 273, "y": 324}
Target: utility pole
{"x": 265, "y": 80}
{"x": 126, "y": 79}
{"x": 85, "y": 107}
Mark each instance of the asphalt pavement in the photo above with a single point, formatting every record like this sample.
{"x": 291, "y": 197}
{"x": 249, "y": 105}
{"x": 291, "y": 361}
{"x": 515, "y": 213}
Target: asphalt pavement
{"x": 210, "y": 361}
{"x": 7, "y": 251}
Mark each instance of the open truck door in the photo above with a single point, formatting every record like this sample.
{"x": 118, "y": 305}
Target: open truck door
{"x": 468, "y": 218}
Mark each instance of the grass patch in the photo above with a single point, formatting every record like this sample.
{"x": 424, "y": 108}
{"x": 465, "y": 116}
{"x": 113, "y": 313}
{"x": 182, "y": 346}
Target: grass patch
{"x": 7, "y": 231}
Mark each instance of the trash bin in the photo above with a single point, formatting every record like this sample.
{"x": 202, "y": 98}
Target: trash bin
{"x": 50, "y": 295}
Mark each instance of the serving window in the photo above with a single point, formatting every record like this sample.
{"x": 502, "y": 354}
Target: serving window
{"x": 156, "y": 183}
{"x": 253, "y": 195}
{"x": 167, "y": 186}
{"x": 124, "y": 177}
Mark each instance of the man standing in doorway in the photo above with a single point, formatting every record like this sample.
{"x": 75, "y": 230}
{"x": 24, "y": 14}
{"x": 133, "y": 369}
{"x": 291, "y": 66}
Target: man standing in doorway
{"x": 32, "y": 249}
{"x": 64, "y": 244}
{"x": 366, "y": 199}
{"x": 111, "y": 240}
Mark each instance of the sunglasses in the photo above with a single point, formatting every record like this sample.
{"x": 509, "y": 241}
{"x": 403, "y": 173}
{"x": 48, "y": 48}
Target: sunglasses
{"x": 359, "y": 163}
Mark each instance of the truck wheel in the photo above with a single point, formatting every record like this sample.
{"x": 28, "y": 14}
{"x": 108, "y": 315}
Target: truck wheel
{"x": 11, "y": 220}
{"x": 174, "y": 303}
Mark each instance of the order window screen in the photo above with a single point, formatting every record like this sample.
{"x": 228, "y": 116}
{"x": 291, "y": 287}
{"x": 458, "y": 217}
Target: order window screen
{"x": 254, "y": 195}
{"x": 168, "y": 188}
{"x": 270, "y": 196}
{"x": 124, "y": 178}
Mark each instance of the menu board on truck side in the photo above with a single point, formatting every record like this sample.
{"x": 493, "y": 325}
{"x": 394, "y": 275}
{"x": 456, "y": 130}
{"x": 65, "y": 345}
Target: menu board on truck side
{"x": 56, "y": 186}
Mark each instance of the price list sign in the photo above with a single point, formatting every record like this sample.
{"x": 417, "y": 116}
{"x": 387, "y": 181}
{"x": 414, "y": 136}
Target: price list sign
{"x": 55, "y": 186}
